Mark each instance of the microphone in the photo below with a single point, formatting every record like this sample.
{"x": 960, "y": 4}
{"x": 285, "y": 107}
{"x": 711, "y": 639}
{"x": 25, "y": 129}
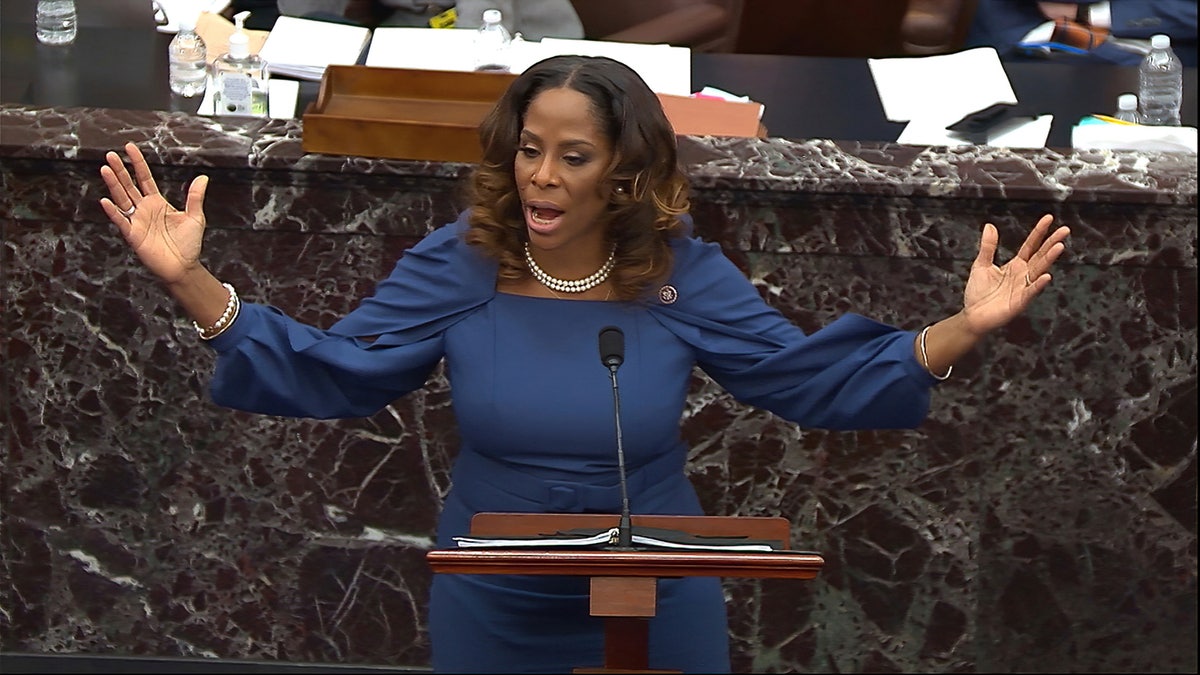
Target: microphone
{"x": 612, "y": 355}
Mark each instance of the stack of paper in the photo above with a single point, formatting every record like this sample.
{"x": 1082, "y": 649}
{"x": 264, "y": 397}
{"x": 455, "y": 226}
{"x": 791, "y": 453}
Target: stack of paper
{"x": 430, "y": 49}
{"x": 303, "y": 48}
{"x": 933, "y": 92}
{"x": 1093, "y": 133}
{"x": 665, "y": 68}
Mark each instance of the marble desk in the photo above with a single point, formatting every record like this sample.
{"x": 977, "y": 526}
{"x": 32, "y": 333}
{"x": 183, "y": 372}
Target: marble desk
{"x": 1042, "y": 519}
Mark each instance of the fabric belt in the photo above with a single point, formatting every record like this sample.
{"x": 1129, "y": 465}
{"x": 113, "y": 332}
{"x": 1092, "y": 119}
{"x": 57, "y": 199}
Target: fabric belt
{"x": 487, "y": 484}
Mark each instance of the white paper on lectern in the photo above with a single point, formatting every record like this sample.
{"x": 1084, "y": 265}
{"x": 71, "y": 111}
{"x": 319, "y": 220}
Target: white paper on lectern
{"x": 1024, "y": 133}
{"x": 666, "y": 69}
{"x": 945, "y": 87}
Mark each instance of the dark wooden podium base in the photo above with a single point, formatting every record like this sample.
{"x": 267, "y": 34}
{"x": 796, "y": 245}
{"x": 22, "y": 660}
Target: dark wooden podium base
{"x": 627, "y": 604}
{"x": 624, "y": 584}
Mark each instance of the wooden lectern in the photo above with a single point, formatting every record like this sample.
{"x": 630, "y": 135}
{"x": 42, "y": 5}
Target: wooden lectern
{"x": 402, "y": 113}
{"x": 624, "y": 584}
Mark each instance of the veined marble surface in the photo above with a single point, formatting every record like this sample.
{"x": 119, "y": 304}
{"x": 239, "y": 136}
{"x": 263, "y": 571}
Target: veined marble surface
{"x": 772, "y": 165}
{"x": 1042, "y": 519}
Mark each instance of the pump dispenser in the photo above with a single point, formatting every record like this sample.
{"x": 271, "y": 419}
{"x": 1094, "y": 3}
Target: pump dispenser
{"x": 240, "y": 77}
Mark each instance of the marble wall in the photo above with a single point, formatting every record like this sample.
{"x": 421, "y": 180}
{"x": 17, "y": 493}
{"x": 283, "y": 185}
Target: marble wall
{"x": 1042, "y": 519}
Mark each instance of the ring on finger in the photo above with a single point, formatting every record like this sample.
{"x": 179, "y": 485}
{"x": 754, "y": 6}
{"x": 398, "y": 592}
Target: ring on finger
{"x": 1027, "y": 281}
{"x": 133, "y": 207}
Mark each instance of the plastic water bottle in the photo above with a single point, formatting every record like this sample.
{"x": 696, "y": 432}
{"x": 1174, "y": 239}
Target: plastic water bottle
{"x": 1160, "y": 84}
{"x": 492, "y": 44}
{"x": 1127, "y": 105}
{"x": 55, "y": 20}
{"x": 188, "y": 57}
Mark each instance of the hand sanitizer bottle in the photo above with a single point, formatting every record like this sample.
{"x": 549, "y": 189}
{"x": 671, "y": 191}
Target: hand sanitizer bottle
{"x": 239, "y": 77}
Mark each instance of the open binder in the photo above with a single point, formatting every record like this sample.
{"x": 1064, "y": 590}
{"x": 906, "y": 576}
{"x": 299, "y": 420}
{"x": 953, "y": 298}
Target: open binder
{"x": 646, "y": 538}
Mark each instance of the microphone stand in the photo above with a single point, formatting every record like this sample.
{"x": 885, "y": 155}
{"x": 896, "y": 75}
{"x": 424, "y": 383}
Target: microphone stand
{"x": 625, "y": 527}
{"x": 612, "y": 355}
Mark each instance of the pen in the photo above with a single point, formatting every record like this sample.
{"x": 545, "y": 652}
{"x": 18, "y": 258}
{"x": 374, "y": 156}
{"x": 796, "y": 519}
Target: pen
{"x": 1113, "y": 120}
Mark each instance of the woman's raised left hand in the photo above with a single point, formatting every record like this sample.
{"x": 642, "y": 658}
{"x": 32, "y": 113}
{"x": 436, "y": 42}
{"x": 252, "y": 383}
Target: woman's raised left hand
{"x": 996, "y": 294}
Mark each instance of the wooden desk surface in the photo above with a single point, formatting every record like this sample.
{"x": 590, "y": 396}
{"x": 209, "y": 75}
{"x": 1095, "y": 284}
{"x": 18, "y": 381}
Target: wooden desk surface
{"x": 828, "y": 97}
{"x": 124, "y": 66}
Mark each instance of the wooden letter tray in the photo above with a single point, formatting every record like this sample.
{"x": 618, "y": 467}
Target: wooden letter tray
{"x": 401, "y": 113}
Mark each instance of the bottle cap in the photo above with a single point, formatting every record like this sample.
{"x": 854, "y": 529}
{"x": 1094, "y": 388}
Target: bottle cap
{"x": 491, "y": 16}
{"x": 239, "y": 42}
{"x": 1127, "y": 102}
{"x": 187, "y": 21}
{"x": 1160, "y": 41}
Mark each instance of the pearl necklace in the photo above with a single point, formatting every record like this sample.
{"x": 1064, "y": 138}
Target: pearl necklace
{"x": 577, "y": 286}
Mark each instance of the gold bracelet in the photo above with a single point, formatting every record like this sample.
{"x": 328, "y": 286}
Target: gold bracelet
{"x": 925, "y": 358}
{"x": 232, "y": 307}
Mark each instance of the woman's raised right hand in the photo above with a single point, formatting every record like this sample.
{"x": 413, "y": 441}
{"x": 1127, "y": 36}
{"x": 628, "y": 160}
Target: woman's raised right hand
{"x": 165, "y": 239}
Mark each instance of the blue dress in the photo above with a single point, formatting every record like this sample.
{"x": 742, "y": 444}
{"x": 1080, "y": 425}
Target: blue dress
{"x": 534, "y": 409}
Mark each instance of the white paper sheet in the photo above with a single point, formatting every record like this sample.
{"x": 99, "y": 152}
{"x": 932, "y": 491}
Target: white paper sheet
{"x": 945, "y": 87}
{"x": 1133, "y": 137}
{"x": 303, "y": 48}
{"x": 423, "y": 48}
{"x": 171, "y": 10}
{"x": 1025, "y": 132}
{"x": 666, "y": 69}
{"x": 281, "y": 99}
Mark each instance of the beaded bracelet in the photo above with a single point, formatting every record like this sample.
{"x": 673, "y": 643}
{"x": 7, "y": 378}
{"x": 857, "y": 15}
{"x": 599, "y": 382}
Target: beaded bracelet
{"x": 925, "y": 358}
{"x": 232, "y": 307}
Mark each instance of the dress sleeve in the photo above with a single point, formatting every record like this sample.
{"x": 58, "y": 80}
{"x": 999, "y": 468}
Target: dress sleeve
{"x": 853, "y": 374}
{"x": 270, "y": 363}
